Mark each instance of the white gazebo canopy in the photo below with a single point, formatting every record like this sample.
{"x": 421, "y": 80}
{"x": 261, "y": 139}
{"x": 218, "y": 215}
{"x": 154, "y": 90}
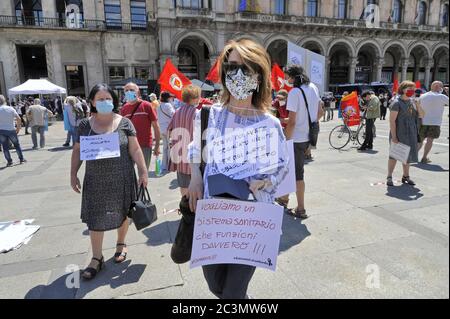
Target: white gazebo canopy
{"x": 41, "y": 86}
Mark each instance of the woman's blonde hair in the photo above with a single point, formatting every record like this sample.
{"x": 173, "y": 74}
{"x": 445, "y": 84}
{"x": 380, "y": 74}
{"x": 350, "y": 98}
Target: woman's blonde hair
{"x": 72, "y": 100}
{"x": 190, "y": 93}
{"x": 256, "y": 58}
{"x": 404, "y": 85}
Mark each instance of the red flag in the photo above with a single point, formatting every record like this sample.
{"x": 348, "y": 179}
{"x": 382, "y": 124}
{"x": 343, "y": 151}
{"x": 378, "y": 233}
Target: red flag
{"x": 396, "y": 85}
{"x": 277, "y": 77}
{"x": 350, "y": 109}
{"x": 418, "y": 84}
{"x": 172, "y": 80}
{"x": 213, "y": 74}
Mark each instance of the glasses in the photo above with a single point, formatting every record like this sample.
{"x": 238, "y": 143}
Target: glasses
{"x": 234, "y": 67}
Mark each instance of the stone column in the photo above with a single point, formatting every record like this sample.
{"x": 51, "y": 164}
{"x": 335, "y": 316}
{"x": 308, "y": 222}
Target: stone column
{"x": 327, "y": 72}
{"x": 89, "y": 10}
{"x": 126, "y": 11}
{"x": 7, "y": 8}
{"x": 378, "y": 69}
{"x": 428, "y": 66}
{"x": 352, "y": 69}
{"x": 404, "y": 63}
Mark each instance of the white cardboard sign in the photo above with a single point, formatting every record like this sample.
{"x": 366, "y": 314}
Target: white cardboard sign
{"x": 400, "y": 152}
{"x": 97, "y": 147}
{"x": 236, "y": 232}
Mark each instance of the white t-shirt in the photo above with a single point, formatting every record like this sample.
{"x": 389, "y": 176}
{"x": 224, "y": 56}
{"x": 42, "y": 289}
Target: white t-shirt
{"x": 296, "y": 103}
{"x": 433, "y": 104}
{"x": 165, "y": 114}
{"x": 7, "y": 117}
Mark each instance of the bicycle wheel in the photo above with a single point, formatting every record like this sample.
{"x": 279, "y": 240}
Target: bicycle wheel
{"x": 361, "y": 137}
{"x": 339, "y": 137}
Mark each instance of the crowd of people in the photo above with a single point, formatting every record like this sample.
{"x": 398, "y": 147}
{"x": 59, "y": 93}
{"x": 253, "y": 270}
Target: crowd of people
{"x": 110, "y": 185}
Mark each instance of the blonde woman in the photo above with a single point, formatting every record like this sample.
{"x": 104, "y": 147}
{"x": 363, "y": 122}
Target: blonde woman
{"x": 245, "y": 70}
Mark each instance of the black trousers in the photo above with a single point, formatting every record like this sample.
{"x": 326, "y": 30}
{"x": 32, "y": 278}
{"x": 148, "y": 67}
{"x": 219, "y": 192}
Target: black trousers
{"x": 368, "y": 142}
{"x": 228, "y": 281}
{"x": 383, "y": 112}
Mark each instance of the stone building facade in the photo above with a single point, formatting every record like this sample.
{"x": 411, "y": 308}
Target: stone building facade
{"x": 77, "y": 43}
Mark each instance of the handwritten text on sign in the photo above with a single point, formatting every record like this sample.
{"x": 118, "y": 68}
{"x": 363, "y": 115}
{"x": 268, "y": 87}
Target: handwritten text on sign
{"x": 236, "y": 232}
{"x": 99, "y": 147}
{"x": 241, "y": 153}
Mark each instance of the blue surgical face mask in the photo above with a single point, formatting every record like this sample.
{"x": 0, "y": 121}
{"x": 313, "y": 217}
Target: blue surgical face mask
{"x": 130, "y": 96}
{"x": 104, "y": 107}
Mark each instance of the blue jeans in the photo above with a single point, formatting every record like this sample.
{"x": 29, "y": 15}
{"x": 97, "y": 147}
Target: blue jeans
{"x": 5, "y": 137}
{"x": 34, "y": 130}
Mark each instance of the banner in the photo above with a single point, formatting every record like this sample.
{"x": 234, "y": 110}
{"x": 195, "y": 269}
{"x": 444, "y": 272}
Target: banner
{"x": 172, "y": 80}
{"x": 313, "y": 64}
{"x": 350, "y": 109}
{"x": 236, "y": 232}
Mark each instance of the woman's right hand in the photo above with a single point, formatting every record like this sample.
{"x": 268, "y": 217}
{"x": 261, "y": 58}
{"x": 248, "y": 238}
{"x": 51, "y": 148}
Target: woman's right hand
{"x": 75, "y": 183}
{"x": 195, "y": 193}
{"x": 395, "y": 140}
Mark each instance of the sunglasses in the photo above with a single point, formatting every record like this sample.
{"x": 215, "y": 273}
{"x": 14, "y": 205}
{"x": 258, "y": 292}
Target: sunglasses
{"x": 234, "y": 67}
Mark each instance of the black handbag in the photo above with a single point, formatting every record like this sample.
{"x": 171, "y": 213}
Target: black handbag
{"x": 143, "y": 211}
{"x": 182, "y": 246}
{"x": 314, "y": 127}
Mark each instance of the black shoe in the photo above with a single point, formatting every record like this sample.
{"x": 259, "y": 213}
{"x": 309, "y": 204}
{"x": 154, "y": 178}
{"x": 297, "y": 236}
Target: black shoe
{"x": 23, "y": 161}
{"x": 389, "y": 182}
{"x": 90, "y": 273}
{"x": 27, "y": 133}
{"x": 362, "y": 148}
{"x": 407, "y": 180}
{"x": 120, "y": 257}
{"x": 66, "y": 144}
{"x": 9, "y": 164}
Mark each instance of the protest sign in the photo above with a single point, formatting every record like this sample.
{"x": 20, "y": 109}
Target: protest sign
{"x": 248, "y": 151}
{"x": 288, "y": 185}
{"x": 400, "y": 152}
{"x": 97, "y": 147}
{"x": 236, "y": 232}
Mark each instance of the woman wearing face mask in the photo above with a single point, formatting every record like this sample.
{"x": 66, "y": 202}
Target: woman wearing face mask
{"x": 109, "y": 184}
{"x": 404, "y": 118}
{"x": 245, "y": 75}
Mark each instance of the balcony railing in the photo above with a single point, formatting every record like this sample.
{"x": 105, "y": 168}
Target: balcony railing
{"x": 85, "y": 24}
{"x": 194, "y": 12}
{"x": 324, "y": 21}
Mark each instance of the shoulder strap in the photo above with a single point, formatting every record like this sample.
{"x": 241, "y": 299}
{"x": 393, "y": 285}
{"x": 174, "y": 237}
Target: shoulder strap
{"x": 160, "y": 107}
{"x": 135, "y": 110}
{"x": 307, "y": 106}
{"x": 204, "y": 115}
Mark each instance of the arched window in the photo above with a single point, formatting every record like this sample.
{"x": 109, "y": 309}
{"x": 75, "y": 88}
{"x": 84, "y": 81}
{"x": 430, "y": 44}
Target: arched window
{"x": 281, "y": 7}
{"x": 422, "y": 13}
{"x": 444, "y": 19}
{"x": 397, "y": 14}
{"x": 62, "y": 4}
{"x": 29, "y": 12}
{"x": 342, "y": 9}
{"x": 312, "y": 9}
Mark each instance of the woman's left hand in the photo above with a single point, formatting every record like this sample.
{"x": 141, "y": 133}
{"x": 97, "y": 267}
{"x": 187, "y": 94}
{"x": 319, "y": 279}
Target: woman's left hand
{"x": 257, "y": 185}
{"x": 143, "y": 180}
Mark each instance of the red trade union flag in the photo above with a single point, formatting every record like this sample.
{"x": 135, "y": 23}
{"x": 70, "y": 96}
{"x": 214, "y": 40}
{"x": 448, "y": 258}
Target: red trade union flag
{"x": 418, "y": 84}
{"x": 396, "y": 85}
{"x": 172, "y": 80}
{"x": 350, "y": 109}
{"x": 277, "y": 77}
{"x": 213, "y": 74}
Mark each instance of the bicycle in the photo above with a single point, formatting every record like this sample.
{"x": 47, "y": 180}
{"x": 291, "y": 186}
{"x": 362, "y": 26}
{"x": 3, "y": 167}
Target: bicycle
{"x": 341, "y": 135}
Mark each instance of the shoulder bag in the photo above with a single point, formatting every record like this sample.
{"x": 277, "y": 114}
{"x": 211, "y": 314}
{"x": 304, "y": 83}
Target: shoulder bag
{"x": 313, "y": 126}
{"x": 182, "y": 245}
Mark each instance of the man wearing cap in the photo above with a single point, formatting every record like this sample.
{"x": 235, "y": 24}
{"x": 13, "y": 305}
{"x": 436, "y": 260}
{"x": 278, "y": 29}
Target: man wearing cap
{"x": 144, "y": 118}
